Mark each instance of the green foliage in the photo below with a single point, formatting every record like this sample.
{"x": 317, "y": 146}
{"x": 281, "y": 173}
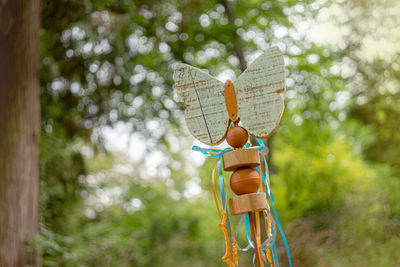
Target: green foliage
{"x": 61, "y": 166}
{"x": 129, "y": 221}
{"x": 333, "y": 161}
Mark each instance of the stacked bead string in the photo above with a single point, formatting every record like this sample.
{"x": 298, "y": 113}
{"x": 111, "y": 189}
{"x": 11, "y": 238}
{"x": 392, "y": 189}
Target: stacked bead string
{"x": 267, "y": 247}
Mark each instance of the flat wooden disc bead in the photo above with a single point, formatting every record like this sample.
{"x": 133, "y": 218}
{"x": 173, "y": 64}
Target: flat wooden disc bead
{"x": 237, "y": 136}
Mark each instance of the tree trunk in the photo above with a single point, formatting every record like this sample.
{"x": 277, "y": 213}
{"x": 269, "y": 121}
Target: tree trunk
{"x": 237, "y": 45}
{"x": 19, "y": 131}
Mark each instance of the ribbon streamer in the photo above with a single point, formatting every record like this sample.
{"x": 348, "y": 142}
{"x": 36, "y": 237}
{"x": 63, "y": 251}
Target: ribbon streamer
{"x": 268, "y": 245}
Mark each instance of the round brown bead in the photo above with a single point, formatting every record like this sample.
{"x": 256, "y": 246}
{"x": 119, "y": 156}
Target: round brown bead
{"x": 245, "y": 180}
{"x": 237, "y": 136}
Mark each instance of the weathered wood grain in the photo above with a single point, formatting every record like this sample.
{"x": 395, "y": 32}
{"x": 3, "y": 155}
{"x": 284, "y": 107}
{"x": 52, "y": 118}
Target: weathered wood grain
{"x": 259, "y": 93}
{"x": 203, "y": 96}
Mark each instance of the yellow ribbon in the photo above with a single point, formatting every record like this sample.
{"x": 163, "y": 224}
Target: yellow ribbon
{"x": 258, "y": 237}
{"x": 268, "y": 229}
{"x": 231, "y": 261}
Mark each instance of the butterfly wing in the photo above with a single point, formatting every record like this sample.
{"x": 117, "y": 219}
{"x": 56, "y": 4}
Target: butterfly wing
{"x": 259, "y": 93}
{"x": 205, "y": 113}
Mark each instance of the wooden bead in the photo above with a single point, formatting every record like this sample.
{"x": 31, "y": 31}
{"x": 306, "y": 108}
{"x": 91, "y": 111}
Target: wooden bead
{"x": 248, "y": 203}
{"x": 237, "y": 136}
{"x": 241, "y": 158}
{"x": 245, "y": 181}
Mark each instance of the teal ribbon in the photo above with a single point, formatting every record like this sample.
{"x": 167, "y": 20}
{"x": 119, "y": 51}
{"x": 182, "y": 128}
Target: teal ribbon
{"x": 276, "y": 217}
{"x": 275, "y": 255}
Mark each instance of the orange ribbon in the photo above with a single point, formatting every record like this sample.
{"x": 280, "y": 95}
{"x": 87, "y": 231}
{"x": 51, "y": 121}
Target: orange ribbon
{"x": 231, "y": 254}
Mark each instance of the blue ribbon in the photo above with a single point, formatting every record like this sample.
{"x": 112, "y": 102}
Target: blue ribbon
{"x": 276, "y": 216}
{"x": 275, "y": 255}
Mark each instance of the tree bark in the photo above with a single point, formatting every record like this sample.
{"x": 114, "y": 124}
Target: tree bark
{"x": 237, "y": 46}
{"x": 19, "y": 131}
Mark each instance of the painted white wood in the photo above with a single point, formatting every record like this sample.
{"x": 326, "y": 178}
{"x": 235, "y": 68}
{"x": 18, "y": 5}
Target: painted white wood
{"x": 203, "y": 96}
{"x": 259, "y": 91}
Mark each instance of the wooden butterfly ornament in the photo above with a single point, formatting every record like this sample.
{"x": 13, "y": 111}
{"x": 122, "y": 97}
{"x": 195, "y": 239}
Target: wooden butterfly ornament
{"x": 255, "y": 98}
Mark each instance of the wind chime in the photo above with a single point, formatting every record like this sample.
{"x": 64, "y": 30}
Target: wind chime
{"x": 213, "y": 113}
